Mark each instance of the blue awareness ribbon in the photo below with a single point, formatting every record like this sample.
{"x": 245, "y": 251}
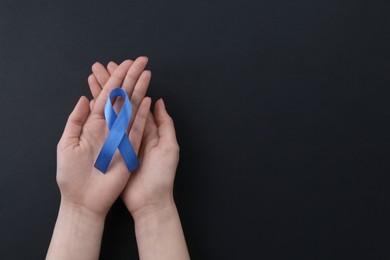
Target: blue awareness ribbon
{"x": 117, "y": 138}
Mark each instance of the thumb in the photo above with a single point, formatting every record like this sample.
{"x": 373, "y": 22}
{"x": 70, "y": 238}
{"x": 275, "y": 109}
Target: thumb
{"x": 75, "y": 122}
{"x": 165, "y": 125}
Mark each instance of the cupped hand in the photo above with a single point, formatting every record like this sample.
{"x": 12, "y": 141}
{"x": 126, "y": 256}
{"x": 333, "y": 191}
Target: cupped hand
{"x": 150, "y": 187}
{"x": 80, "y": 183}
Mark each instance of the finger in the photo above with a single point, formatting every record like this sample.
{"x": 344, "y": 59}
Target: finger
{"x": 115, "y": 81}
{"x": 94, "y": 86}
{"x": 137, "y": 130}
{"x": 138, "y": 94}
{"x": 141, "y": 87}
{"x": 133, "y": 74}
{"x": 150, "y": 137}
{"x": 166, "y": 128}
{"x": 111, "y": 66}
{"x": 103, "y": 75}
{"x": 76, "y": 121}
{"x": 91, "y": 104}
{"x": 133, "y": 78}
{"x": 100, "y": 73}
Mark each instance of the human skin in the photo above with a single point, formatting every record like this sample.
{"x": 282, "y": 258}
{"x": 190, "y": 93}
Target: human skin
{"x": 148, "y": 194}
{"x": 86, "y": 193}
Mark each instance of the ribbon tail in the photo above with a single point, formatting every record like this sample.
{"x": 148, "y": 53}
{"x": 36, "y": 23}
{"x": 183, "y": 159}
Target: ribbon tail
{"x": 128, "y": 154}
{"x": 108, "y": 150}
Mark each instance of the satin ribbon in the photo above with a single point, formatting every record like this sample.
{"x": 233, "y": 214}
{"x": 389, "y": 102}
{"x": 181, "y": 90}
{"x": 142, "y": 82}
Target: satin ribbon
{"x": 117, "y": 137}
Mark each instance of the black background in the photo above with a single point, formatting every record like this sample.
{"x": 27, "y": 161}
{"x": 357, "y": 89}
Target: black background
{"x": 281, "y": 110}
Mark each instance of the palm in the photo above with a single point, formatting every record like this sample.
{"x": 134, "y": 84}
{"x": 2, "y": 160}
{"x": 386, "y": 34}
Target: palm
{"x": 103, "y": 188}
{"x": 149, "y": 184}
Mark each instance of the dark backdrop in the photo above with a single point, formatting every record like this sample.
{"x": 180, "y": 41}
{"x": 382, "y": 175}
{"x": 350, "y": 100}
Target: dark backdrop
{"x": 281, "y": 110}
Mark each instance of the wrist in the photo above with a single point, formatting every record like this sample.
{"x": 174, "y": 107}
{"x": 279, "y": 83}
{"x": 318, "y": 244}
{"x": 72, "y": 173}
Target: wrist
{"x": 153, "y": 220}
{"x": 155, "y": 210}
{"x": 77, "y": 233}
{"x": 159, "y": 233}
{"x": 76, "y": 212}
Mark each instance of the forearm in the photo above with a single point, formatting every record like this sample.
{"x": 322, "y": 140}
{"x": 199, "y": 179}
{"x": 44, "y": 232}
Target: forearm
{"x": 77, "y": 234}
{"x": 159, "y": 234}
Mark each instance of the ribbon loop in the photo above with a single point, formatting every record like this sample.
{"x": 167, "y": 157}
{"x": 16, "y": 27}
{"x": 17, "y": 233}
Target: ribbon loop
{"x": 117, "y": 138}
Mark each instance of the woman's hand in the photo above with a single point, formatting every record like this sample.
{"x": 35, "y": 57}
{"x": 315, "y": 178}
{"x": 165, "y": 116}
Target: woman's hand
{"x": 149, "y": 193}
{"x": 81, "y": 184}
{"x": 86, "y": 193}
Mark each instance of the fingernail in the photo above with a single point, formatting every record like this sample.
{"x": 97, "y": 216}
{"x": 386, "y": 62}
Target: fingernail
{"x": 94, "y": 65}
{"x": 144, "y": 57}
{"x": 162, "y": 102}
